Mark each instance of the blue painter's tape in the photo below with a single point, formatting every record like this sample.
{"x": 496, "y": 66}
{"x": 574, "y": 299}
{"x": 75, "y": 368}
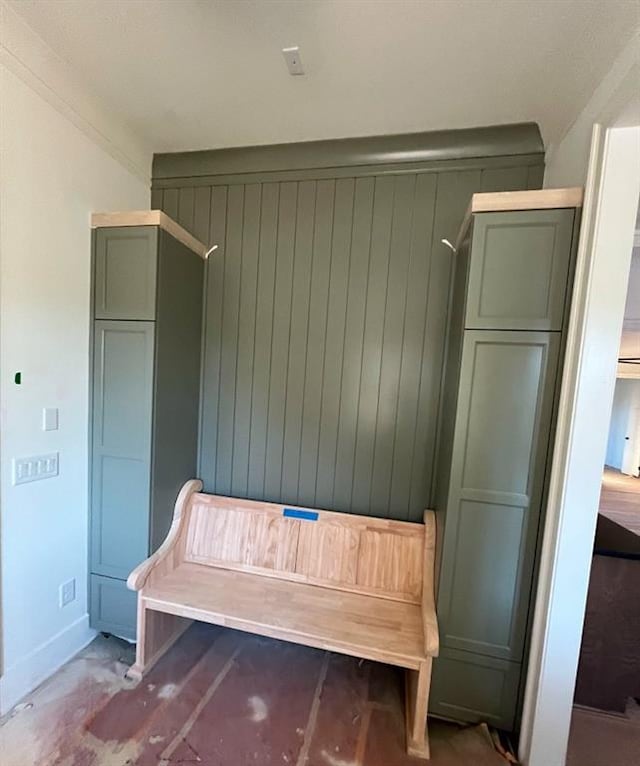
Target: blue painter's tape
{"x": 293, "y": 513}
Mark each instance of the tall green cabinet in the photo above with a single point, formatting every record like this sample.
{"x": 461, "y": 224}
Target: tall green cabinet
{"x": 509, "y": 308}
{"x": 146, "y": 339}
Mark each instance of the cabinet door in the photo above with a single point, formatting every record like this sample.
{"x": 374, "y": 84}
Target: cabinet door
{"x": 113, "y": 607}
{"x": 472, "y": 688}
{"x": 501, "y": 437}
{"x": 519, "y": 270}
{"x": 121, "y": 454}
{"x": 125, "y": 272}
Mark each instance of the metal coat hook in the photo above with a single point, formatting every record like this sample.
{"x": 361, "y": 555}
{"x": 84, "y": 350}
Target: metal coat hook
{"x": 210, "y": 250}
{"x": 449, "y": 245}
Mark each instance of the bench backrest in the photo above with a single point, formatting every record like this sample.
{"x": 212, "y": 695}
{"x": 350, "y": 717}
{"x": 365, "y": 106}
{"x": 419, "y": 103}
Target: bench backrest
{"x": 356, "y": 553}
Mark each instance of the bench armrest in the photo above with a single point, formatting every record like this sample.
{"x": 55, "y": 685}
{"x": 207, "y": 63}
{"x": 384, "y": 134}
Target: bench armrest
{"x": 164, "y": 559}
{"x": 429, "y": 618}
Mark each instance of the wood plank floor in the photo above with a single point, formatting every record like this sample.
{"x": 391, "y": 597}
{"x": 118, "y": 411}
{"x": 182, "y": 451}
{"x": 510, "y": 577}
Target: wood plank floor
{"x": 225, "y": 698}
{"x": 620, "y": 499}
{"x": 601, "y": 739}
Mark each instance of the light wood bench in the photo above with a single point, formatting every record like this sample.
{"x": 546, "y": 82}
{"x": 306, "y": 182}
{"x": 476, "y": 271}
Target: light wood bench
{"x": 351, "y": 584}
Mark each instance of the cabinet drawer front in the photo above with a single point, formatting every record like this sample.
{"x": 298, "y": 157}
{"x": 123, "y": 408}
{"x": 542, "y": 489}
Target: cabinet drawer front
{"x": 519, "y": 270}
{"x": 125, "y": 272}
{"x": 472, "y": 688}
{"x": 501, "y": 439}
{"x": 113, "y": 607}
{"x": 121, "y": 445}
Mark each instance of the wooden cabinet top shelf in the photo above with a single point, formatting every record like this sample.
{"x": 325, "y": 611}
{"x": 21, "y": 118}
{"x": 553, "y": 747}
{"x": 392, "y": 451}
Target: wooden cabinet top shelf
{"x": 149, "y": 218}
{"x": 533, "y": 199}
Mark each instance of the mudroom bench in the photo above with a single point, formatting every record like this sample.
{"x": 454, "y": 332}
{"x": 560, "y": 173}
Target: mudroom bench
{"x": 352, "y": 584}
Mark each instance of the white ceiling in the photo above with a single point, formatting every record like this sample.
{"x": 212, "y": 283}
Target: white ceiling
{"x": 198, "y": 74}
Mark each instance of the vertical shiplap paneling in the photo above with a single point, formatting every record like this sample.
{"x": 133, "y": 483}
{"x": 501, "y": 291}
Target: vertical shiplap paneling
{"x": 229, "y": 338}
{"x": 212, "y": 332}
{"x": 270, "y": 199}
{"x": 535, "y": 176}
{"x": 316, "y": 335}
{"x": 453, "y": 192}
{"x": 334, "y": 340}
{"x": 298, "y": 330}
{"x": 246, "y": 340}
{"x": 392, "y": 340}
{"x": 287, "y": 217}
{"x": 325, "y": 327}
{"x": 504, "y": 179}
{"x": 353, "y": 342}
{"x": 408, "y": 413}
{"x": 369, "y": 386}
{"x": 170, "y": 202}
{"x": 202, "y": 214}
{"x": 156, "y": 199}
{"x": 186, "y": 208}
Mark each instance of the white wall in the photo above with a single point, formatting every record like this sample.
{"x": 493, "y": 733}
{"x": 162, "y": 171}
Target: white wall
{"x": 53, "y": 176}
{"x": 615, "y": 99}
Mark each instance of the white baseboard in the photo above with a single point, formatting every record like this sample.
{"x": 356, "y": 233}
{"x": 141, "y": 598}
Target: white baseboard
{"x": 29, "y": 672}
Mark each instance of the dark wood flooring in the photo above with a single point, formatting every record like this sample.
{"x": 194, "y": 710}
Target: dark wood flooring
{"x": 225, "y": 698}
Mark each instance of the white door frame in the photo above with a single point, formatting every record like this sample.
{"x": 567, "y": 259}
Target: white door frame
{"x": 604, "y": 257}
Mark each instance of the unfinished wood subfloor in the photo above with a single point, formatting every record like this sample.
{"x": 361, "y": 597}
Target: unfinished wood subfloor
{"x": 225, "y": 698}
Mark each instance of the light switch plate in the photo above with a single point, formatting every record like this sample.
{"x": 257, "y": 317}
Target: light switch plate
{"x": 34, "y": 468}
{"x": 50, "y": 419}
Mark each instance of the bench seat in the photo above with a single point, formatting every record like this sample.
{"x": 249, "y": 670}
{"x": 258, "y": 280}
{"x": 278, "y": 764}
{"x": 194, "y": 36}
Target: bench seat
{"x": 350, "y": 623}
{"x": 351, "y": 584}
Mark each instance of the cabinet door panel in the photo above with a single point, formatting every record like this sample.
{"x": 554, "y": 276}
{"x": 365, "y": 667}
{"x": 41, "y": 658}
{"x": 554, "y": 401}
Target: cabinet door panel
{"x": 121, "y": 433}
{"x": 113, "y": 607}
{"x": 501, "y": 439}
{"x": 469, "y": 687}
{"x": 125, "y": 272}
{"x": 519, "y": 270}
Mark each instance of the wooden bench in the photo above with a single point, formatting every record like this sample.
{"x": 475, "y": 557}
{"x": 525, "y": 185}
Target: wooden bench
{"x": 352, "y": 584}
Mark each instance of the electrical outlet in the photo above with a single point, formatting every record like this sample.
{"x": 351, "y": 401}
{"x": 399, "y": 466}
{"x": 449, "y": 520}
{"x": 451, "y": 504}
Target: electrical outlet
{"x": 293, "y": 60}
{"x": 67, "y": 592}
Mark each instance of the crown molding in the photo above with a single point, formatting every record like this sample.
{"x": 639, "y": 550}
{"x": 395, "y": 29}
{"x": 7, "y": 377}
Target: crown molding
{"x": 408, "y": 149}
{"x": 28, "y": 57}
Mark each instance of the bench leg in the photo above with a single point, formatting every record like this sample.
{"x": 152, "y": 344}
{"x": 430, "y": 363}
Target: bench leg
{"x": 157, "y": 632}
{"x": 417, "y": 700}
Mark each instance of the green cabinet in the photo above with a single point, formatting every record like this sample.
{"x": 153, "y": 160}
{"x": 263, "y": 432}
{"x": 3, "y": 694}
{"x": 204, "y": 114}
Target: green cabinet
{"x": 121, "y": 448}
{"x": 125, "y": 264}
{"x": 509, "y": 306}
{"x": 506, "y": 389}
{"x": 474, "y": 687}
{"x": 146, "y": 338}
{"x": 519, "y": 270}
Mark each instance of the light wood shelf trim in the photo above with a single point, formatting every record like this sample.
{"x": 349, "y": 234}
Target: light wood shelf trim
{"x": 533, "y": 199}
{"x": 150, "y": 218}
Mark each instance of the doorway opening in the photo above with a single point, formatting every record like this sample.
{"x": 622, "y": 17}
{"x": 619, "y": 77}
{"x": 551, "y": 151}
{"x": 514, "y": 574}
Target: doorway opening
{"x": 606, "y": 715}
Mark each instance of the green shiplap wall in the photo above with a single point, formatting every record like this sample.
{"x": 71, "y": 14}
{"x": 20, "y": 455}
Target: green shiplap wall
{"x": 325, "y": 325}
